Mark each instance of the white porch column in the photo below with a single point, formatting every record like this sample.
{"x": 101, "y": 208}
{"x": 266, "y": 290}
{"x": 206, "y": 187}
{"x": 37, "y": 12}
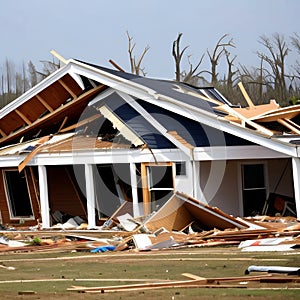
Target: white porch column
{"x": 134, "y": 190}
{"x": 90, "y": 195}
{"x": 197, "y": 193}
{"x": 44, "y": 199}
{"x": 296, "y": 177}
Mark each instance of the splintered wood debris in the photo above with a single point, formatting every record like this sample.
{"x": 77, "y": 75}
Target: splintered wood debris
{"x": 183, "y": 222}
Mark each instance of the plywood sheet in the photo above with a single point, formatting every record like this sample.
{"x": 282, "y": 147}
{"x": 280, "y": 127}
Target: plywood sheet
{"x": 172, "y": 216}
{"x": 181, "y": 210}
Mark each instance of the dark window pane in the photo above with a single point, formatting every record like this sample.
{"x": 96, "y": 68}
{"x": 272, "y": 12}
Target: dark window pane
{"x": 254, "y": 176}
{"x": 254, "y": 201}
{"x": 180, "y": 169}
{"x": 18, "y": 194}
{"x": 160, "y": 177}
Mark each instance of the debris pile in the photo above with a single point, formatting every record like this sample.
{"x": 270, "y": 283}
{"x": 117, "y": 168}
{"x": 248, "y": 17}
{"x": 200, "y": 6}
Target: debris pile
{"x": 182, "y": 222}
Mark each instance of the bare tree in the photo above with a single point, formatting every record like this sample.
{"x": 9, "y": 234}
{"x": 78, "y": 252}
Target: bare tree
{"x": 296, "y": 41}
{"x": 191, "y": 76}
{"x": 277, "y": 51}
{"x": 33, "y": 78}
{"x": 135, "y": 63}
{"x": 178, "y": 54}
{"x": 215, "y": 56}
{"x": 230, "y": 73}
{"x": 48, "y": 67}
{"x": 256, "y": 82}
{"x": 294, "y": 86}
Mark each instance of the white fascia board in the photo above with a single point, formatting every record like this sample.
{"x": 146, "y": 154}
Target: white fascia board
{"x": 10, "y": 161}
{"x": 110, "y": 156}
{"x": 35, "y": 90}
{"x": 235, "y": 152}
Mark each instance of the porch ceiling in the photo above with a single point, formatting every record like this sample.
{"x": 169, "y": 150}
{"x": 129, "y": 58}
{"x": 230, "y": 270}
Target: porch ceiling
{"x": 62, "y": 101}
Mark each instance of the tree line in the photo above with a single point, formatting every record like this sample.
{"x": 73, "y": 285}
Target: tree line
{"x": 273, "y": 78}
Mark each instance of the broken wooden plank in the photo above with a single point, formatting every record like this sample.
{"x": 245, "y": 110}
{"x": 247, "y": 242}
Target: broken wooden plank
{"x": 80, "y": 123}
{"x": 58, "y": 56}
{"x": 195, "y": 282}
{"x": 245, "y": 94}
{"x": 29, "y": 157}
{"x": 127, "y": 287}
{"x": 290, "y": 125}
{"x": 234, "y": 113}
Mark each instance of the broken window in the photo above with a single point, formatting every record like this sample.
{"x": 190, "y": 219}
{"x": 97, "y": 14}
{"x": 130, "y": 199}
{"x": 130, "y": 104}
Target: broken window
{"x": 17, "y": 194}
{"x": 254, "y": 188}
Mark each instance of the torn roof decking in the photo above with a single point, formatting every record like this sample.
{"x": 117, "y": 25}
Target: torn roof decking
{"x": 63, "y": 98}
{"x": 80, "y": 143}
{"x": 63, "y": 143}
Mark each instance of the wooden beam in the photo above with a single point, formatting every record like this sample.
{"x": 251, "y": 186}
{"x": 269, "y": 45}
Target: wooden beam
{"x": 23, "y": 117}
{"x": 245, "y": 94}
{"x": 145, "y": 189}
{"x": 63, "y": 123}
{"x": 28, "y": 158}
{"x": 74, "y": 96}
{"x": 44, "y": 103}
{"x": 290, "y": 125}
{"x": 81, "y": 123}
{"x": 3, "y": 133}
{"x": 35, "y": 187}
{"x": 116, "y": 65}
{"x": 195, "y": 282}
{"x": 245, "y": 120}
{"x": 58, "y": 56}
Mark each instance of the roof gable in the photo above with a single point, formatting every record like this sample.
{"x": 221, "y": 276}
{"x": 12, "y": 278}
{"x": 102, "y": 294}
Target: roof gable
{"x": 207, "y": 107}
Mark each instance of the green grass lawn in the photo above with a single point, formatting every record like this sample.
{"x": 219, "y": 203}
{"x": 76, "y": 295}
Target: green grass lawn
{"x": 49, "y": 275}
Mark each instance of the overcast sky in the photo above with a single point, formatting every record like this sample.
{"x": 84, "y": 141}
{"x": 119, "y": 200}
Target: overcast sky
{"x": 95, "y": 30}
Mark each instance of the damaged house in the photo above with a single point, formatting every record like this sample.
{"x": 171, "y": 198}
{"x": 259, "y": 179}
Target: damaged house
{"x": 95, "y": 143}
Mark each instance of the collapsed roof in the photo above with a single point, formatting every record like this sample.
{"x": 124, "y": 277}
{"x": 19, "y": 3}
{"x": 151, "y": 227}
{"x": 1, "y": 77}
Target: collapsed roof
{"x": 157, "y": 113}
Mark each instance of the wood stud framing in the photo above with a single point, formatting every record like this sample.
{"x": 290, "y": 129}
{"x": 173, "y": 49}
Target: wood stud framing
{"x": 44, "y": 103}
{"x": 52, "y": 112}
{"x": 23, "y": 117}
